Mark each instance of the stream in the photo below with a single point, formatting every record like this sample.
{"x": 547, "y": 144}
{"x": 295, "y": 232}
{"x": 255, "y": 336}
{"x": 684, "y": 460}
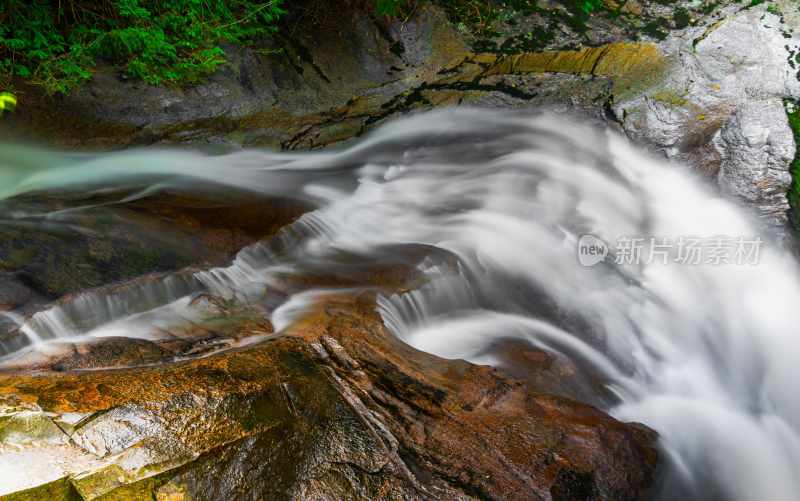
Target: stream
{"x": 565, "y": 236}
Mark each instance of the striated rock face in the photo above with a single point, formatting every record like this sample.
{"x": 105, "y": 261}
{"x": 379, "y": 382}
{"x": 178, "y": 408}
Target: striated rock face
{"x": 756, "y": 147}
{"x": 629, "y": 65}
{"x": 337, "y": 409}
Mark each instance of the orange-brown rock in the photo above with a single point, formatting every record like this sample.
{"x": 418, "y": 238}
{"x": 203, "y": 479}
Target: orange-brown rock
{"x": 336, "y": 408}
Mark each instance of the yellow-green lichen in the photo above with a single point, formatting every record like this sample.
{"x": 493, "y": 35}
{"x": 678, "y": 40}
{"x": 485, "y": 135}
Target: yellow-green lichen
{"x": 630, "y": 66}
{"x": 669, "y": 98}
{"x": 793, "y": 116}
{"x": 58, "y": 490}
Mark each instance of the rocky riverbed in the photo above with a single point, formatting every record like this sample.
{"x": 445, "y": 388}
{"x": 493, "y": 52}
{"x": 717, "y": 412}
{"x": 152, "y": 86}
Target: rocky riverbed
{"x": 336, "y": 407}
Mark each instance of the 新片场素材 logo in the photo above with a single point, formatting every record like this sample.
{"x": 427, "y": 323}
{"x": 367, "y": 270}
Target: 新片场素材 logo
{"x": 591, "y": 250}
{"x": 686, "y": 250}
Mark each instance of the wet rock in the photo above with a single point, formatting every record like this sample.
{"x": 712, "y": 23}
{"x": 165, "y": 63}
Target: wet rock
{"x": 755, "y": 155}
{"x": 720, "y": 105}
{"x": 45, "y": 261}
{"x": 325, "y": 62}
{"x": 51, "y": 256}
{"x": 13, "y": 293}
{"x": 113, "y": 352}
{"x": 338, "y": 408}
{"x": 549, "y": 372}
{"x": 28, "y": 427}
{"x": 629, "y": 65}
{"x": 332, "y": 82}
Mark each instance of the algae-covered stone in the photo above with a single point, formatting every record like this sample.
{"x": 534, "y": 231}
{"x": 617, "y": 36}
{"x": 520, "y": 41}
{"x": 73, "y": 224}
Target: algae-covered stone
{"x": 58, "y": 490}
{"x": 670, "y": 98}
{"x": 172, "y": 492}
{"x": 631, "y": 66}
{"x": 29, "y": 427}
{"x": 94, "y": 484}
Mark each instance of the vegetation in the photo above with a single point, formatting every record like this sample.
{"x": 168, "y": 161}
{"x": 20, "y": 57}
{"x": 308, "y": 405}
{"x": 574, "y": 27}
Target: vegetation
{"x": 793, "y": 114}
{"x": 8, "y": 102}
{"x": 55, "y": 43}
{"x": 480, "y": 16}
{"x": 388, "y": 7}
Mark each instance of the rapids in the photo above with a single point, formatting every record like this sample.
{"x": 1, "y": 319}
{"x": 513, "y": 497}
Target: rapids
{"x": 703, "y": 352}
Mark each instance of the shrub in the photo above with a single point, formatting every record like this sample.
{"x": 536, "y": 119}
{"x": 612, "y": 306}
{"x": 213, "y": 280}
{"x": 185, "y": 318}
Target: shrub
{"x": 55, "y": 43}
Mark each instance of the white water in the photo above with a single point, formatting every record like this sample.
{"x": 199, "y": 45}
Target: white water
{"x": 705, "y": 354}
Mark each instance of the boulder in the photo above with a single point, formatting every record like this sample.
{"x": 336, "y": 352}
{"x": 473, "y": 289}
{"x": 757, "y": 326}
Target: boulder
{"x": 336, "y": 408}
{"x": 720, "y": 106}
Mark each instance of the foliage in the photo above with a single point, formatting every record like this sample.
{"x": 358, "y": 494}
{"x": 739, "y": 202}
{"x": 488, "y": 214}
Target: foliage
{"x": 8, "y": 102}
{"x": 488, "y": 20}
{"x": 56, "y": 43}
{"x": 793, "y": 114}
{"x": 387, "y": 7}
{"x": 589, "y": 6}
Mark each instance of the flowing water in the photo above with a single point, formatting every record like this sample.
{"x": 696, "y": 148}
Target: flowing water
{"x": 703, "y": 350}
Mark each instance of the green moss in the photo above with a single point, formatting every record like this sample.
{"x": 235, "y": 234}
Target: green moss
{"x": 657, "y": 28}
{"x": 97, "y": 483}
{"x": 793, "y": 114}
{"x": 59, "y": 490}
{"x": 709, "y": 7}
{"x": 17, "y": 258}
{"x": 141, "y": 490}
{"x": 487, "y": 21}
{"x": 56, "y": 44}
{"x": 681, "y": 18}
{"x": 25, "y": 428}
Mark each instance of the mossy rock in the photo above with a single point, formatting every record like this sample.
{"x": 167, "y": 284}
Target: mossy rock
{"x": 58, "y": 490}
{"x": 93, "y": 485}
{"x": 631, "y": 66}
{"x": 29, "y": 427}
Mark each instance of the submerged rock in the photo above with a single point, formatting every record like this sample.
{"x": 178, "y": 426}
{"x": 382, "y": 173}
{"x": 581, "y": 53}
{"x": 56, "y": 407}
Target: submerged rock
{"x": 57, "y": 247}
{"x": 57, "y": 254}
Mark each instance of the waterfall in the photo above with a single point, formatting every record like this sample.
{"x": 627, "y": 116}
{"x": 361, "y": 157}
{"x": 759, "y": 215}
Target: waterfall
{"x": 565, "y": 236}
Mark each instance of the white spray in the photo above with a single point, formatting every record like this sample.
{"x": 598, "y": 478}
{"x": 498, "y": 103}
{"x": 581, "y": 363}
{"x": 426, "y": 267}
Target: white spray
{"x": 705, "y": 353}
